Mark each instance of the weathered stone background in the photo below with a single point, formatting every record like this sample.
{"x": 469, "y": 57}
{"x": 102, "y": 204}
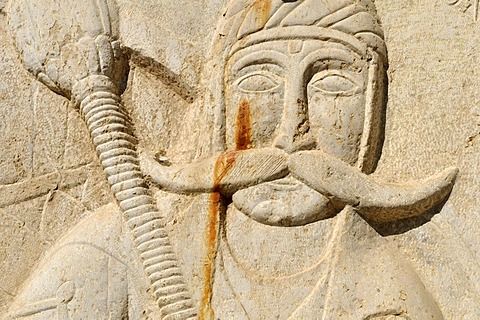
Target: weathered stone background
{"x": 433, "y": 122}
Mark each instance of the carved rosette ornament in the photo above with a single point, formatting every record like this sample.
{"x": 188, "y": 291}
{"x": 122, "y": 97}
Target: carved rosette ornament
{"x": 296, "y": 95}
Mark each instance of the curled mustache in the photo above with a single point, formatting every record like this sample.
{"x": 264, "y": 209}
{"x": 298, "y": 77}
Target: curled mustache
{"x": 342, "y": 184}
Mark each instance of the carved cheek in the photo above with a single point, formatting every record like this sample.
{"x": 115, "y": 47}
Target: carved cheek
{"x": 337, "y": 123}
{"x": 260, "y": 125}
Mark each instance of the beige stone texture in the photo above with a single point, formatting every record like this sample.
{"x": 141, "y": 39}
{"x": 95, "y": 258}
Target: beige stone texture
{"x": 240, "y": 159}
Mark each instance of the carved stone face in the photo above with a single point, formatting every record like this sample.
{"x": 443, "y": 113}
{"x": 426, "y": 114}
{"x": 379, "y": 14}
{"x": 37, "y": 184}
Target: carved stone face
{"x": 294, "y": 95}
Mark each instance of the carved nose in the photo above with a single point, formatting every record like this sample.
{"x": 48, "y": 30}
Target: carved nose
{"x": 293, "y": 132}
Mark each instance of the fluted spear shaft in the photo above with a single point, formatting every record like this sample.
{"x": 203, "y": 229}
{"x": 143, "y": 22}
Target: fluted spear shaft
{"x": 115, "y": 144}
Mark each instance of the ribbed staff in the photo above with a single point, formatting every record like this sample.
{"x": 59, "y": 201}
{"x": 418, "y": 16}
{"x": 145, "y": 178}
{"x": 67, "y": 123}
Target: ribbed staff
{"x": 115, "y": 144}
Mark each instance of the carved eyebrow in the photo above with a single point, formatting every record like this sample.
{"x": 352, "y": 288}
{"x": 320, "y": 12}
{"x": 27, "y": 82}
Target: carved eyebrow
{"x": 260, "y": 57}
{"x": 329, "y": 54}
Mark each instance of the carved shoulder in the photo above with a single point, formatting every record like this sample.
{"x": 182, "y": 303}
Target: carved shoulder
{"x": 85, "y": 273}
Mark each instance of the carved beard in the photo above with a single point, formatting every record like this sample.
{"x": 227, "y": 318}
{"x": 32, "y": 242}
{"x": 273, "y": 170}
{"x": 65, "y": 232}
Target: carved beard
{"x": 285, "y": 202}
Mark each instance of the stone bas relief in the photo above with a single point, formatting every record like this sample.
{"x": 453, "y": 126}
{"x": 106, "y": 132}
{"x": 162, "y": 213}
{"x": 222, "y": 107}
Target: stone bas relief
{"x": 277, "y": 216}
{"x": 470, "y": 6}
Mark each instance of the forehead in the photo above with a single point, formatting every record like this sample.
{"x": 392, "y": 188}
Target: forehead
{"x": 296, "y": 50}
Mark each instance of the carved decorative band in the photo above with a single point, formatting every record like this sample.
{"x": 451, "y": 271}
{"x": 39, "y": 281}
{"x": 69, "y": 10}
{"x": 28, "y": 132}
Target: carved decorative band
{"x": 303, "y": 32}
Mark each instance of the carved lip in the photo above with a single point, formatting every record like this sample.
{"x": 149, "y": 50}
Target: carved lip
{"x": 285, "y": 184}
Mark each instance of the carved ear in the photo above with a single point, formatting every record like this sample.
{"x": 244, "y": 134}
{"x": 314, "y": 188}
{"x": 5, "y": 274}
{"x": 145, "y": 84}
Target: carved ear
{"x": 373, "y": 128}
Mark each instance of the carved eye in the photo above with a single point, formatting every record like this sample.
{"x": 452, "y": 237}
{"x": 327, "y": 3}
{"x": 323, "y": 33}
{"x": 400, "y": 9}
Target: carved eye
{"x": 334, "y": 83}
{"x": 258, "y": 82}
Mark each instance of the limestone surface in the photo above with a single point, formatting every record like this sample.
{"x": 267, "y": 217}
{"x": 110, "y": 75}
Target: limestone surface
{"x": 240, "y": 159}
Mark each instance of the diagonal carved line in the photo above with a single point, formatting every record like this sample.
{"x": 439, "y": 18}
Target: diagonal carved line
{"x": 168, "y": 77}
{"x": 40, "y": 186}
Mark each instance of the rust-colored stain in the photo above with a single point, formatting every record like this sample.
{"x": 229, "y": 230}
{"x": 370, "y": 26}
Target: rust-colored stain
{"x": 223, "y": 165}
{"x": 262, "y": 8}
{"x": 243, "y": 125}
{"x": 206, "y": 312}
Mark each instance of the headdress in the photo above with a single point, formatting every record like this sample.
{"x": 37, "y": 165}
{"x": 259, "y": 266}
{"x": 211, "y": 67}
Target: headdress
{"x": 353, "y": 23}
